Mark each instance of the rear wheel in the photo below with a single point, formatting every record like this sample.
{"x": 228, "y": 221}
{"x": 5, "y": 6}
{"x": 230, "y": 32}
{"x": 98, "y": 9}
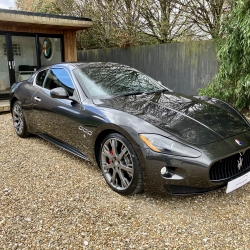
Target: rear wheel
{"x": 120, "y": 165}
{"x": 19, "y": 120}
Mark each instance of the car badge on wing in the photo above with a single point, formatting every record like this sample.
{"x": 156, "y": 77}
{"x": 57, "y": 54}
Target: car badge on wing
{"x": 238, "y": 142}
{"x": 240, "y": 162}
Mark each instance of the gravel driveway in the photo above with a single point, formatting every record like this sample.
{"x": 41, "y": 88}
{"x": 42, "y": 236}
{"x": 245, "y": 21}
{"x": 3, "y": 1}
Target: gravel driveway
{"x": 50, "y": 199}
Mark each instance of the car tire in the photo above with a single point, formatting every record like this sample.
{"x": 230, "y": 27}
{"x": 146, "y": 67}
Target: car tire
{"x": 120, "y": 165}
{"x": 19, "y": 122}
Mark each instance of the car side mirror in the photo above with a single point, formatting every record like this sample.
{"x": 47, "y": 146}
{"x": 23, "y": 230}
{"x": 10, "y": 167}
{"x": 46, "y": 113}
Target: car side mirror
{"x": 59, "y": 93}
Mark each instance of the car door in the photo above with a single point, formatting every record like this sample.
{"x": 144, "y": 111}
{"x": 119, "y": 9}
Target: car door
{"x": 58, "y": 118}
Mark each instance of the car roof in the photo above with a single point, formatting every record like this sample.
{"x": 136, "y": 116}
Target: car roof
{"x": 74, "y": 65}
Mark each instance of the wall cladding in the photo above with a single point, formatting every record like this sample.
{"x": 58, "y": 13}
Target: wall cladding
{"x": 183, "y": 67}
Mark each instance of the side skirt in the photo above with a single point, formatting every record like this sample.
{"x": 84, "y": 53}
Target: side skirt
{"x": 64, "y": 146}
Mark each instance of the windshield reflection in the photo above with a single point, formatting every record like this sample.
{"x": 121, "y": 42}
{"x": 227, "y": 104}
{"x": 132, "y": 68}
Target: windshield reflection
{"x": 106, "y": 80}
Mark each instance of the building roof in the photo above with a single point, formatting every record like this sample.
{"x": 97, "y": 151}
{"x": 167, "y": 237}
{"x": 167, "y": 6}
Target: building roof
{"x": 41, "y": 20}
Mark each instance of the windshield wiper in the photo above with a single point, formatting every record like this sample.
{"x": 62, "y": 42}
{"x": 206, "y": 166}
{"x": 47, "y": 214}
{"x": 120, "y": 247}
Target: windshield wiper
{"x": 143, "y": 92}
{"x": 131, "y": 93}
{"x": 158, "y": 91}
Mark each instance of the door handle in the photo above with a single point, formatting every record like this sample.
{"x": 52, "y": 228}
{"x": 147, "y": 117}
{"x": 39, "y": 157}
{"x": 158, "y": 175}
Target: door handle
{"x": 9, "y": 64}
{"x": 13, "y": 64}
{"x": 37, "y": 99}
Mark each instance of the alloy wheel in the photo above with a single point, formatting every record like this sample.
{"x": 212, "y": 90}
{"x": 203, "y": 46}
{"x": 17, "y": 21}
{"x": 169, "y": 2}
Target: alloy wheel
{"x": 117, "y": 164}
{"x": 18, "y": 119}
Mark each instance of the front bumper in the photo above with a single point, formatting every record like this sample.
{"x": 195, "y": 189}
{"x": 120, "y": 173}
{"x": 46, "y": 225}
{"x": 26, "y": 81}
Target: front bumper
{"x": 192, "y": 175}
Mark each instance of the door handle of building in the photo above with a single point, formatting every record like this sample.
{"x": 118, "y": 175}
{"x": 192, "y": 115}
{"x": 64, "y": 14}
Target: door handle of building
{"x": 10, "y": 64}
{"x": 13, "y": 64}
{"x": 37, "y": 99}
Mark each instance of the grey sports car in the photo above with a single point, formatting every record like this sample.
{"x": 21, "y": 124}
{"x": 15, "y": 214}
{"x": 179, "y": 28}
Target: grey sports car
{"x": 137, "y": 131}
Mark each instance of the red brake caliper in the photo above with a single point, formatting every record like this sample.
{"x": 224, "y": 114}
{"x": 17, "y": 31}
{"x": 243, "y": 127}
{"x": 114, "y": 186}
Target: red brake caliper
{"x": 111, "y": 152}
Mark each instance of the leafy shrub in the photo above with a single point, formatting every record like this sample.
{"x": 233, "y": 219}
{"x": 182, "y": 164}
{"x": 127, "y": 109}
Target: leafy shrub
{"x": 232, "y": 83}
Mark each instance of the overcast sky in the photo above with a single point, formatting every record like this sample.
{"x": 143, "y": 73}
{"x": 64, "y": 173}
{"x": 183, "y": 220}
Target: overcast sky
{"x": 5, "y": 4}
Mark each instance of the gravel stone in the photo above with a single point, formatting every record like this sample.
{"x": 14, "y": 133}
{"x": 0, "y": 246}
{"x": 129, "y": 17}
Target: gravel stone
{"x": 58, "y": 201}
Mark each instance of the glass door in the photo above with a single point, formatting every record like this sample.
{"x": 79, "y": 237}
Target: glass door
{"x": 24, "y": 56}
{"x": 4, "y": 68}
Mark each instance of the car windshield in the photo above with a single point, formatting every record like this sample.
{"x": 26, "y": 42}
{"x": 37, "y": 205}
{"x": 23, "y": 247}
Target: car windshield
{"x": 110, "y": 81}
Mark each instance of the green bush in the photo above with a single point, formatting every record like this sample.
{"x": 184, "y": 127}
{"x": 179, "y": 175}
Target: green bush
{"x": 232, "y": 83}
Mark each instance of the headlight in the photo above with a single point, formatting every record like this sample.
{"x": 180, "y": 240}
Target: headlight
{"x": 165, "y": 145}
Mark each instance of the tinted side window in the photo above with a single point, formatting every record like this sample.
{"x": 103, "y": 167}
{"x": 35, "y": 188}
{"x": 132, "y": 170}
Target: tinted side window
{"x": 59, "y": 78}
{"x": 40, "y": 77}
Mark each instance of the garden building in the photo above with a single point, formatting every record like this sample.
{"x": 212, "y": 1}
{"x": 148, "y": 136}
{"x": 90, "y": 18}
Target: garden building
{"x": 29, "y": 41}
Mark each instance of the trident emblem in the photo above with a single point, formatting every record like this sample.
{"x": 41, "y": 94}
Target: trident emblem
{"x": 240, "y": 162}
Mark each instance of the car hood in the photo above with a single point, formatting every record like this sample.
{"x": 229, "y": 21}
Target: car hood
{"x": 191, "y": 119}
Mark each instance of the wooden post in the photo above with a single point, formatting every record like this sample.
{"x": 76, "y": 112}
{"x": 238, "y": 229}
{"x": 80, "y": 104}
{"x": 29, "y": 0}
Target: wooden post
{"x": 70, "y": 46}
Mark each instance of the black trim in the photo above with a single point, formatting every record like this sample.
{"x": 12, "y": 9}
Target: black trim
{"x": 62, "y": 49}
{"x": 64, "y": 146}
{"x": 14, "y": 33}
{"x": 10, "y": 58}
{"x": 44, "y": 15}
{"x": 38, "y": 52}
{"x": 186, "y": 190}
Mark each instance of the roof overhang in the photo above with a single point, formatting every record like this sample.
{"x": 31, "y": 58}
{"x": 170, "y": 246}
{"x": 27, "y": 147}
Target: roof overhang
{"x": 40, "y": 20}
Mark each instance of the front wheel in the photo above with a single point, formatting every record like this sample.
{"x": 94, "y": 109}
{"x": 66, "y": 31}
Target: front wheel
{"x": 19, "y": 120}
{"x": 120, "y": 165}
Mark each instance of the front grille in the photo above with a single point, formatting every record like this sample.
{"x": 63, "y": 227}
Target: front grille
{"x": 228, "y": 167}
